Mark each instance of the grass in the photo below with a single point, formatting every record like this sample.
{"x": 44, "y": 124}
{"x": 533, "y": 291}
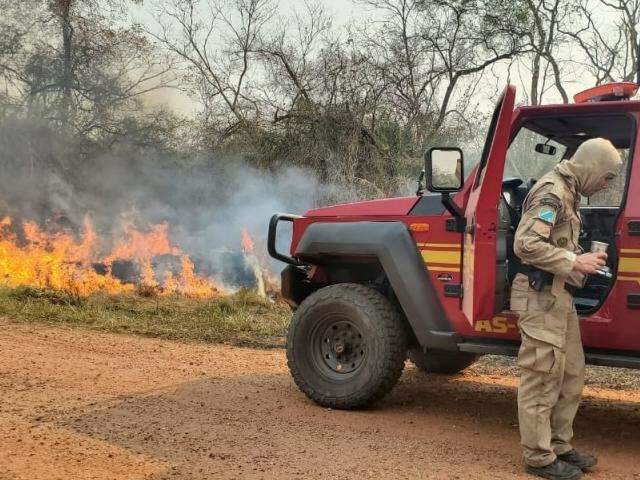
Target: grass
{"x": 243, "y": 318}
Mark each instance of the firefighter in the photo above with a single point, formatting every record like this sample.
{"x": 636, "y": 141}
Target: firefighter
{"x": 551, "y": 358}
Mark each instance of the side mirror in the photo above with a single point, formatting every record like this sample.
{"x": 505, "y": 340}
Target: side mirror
{"x": 444, "y": 169}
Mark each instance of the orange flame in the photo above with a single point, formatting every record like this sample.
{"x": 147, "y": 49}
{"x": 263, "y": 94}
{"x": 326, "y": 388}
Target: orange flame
{"x": 58, "y": 260}
{"x": 247, "y": 241}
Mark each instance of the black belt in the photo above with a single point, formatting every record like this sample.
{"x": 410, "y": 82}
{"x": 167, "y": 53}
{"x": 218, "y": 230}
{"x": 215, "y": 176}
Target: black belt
{"x": 538, "y": 279}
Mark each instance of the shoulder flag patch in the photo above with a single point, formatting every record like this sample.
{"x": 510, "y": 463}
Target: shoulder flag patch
{"x": 547, "y": 214}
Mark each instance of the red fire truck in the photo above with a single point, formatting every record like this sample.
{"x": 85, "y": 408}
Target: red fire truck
{"x": 428, "y": 276}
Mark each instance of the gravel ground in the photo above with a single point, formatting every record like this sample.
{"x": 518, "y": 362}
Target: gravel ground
{"x": 598, "y": 377}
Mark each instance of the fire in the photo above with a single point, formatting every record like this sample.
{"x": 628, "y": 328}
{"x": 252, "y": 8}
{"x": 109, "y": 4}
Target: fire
{"x": 58, "y": 259}
{"x": 259, "y": 265}
{"x": 247, "y": 241}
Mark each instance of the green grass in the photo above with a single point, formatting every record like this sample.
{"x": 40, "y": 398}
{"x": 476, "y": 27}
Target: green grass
{"x": 243, "y": 318}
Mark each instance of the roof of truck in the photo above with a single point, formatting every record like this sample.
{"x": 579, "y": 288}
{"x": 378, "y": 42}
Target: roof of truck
{"x": 571, "y": 124}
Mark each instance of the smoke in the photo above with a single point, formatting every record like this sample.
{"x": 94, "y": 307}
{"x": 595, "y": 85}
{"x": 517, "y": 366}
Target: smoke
{"x": 207, "y": 200}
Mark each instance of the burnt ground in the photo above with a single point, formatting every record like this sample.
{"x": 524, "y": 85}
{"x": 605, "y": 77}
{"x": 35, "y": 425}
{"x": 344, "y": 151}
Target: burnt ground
{"x": 76, "y": 404}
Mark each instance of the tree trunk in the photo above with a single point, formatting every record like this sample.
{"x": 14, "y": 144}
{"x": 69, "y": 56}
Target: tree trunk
{"x": 67, "y": 60}
{"x": 557, "y": 79}
{"x": 535, "y": 76}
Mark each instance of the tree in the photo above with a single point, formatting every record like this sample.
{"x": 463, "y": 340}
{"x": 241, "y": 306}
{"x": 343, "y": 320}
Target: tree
{"x": 78, "y": 65}
{"x": 15, "y": 36}
{"x": 544, "y": 32}
{"x": 431, "y": 54}
{"x": 218, "y": 71}
{"x": 610, "y": 49}
{"x": 290, "y": 54}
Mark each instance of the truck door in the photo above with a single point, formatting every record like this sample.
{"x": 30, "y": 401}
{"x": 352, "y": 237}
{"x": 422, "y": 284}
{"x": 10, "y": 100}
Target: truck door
{"x": 479, "y": 248}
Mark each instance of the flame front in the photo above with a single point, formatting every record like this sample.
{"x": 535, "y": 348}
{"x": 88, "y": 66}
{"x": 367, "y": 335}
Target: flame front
{"x": 247, "y": 241}
{"x": 60, "y": 261}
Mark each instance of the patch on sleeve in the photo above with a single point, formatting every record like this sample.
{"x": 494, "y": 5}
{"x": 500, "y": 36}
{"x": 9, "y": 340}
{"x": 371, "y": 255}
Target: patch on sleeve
{"x": 548, "y": 215}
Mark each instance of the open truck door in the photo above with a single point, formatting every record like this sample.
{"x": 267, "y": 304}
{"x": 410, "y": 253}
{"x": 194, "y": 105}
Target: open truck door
{"x": 479, "y": 246}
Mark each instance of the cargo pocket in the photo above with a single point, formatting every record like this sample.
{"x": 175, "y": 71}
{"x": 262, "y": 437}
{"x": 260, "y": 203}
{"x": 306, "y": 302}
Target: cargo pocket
{"x": 546, "y": 357}
{"x": 537, "y": 356}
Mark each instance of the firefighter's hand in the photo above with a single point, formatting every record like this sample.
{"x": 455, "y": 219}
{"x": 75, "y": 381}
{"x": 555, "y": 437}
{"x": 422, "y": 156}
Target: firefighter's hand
{"x": 588, "y": 263}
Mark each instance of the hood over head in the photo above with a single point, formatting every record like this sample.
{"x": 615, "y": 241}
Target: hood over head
{"x": 594, "y": 160}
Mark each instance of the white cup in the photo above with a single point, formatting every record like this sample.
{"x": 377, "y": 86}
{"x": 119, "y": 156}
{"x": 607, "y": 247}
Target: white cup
{"x": 599, "y": 247}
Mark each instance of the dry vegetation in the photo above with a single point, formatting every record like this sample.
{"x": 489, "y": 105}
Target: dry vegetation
{"x": 239, "y": 319}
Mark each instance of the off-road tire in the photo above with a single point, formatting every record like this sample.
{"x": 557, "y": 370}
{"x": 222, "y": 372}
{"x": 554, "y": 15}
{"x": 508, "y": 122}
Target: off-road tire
{"x": 441, "y": 362}
{"x": 382, "y": 342}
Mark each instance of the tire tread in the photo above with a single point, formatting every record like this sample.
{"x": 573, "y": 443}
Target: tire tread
{"x": 392, "y": 331}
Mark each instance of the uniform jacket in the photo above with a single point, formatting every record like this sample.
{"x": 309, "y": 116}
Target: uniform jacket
{"x": 547, "y": 237}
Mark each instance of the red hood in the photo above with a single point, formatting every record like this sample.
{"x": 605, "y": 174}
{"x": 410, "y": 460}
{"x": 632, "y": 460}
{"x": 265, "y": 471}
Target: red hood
{"x": 388, "y": 206}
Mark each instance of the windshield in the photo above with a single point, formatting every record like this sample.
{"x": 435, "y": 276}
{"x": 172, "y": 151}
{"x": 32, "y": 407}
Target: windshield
{"x": 524, "y": 162}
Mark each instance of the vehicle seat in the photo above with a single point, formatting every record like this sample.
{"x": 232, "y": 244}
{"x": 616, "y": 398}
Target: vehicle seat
{"x": 514, "y": 191}
{"x": 504, "y": 245}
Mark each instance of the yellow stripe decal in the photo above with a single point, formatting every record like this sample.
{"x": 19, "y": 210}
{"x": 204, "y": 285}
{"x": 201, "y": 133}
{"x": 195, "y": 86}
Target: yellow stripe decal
{"x": 630, "y": 250}
{"x": 443, "y": 245}
{"x": 632, "y": 279}
{"x": 629, "y": 265}
{"x": 432, "y": 256}
{"x": 442, "y": 269}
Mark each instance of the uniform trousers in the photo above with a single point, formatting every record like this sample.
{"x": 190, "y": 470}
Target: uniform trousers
{"x": 551, "y": 361}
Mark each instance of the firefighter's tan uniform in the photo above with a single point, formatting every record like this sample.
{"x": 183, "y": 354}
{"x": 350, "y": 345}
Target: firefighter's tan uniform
{"x": 551, "y": 357}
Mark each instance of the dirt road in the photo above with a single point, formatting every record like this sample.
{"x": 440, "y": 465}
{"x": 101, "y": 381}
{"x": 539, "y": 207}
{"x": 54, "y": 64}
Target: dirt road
{"x": 76, "y": 404}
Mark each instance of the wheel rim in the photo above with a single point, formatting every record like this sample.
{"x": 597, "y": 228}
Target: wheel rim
{"x": 338, "y": 347}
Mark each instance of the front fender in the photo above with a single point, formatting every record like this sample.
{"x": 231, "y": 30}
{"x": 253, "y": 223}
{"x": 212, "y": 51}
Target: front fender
{"x": 392, "y": 244}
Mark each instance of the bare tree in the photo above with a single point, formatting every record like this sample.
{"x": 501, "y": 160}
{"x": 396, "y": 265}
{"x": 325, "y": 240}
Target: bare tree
{"x": 16, "y": 35}
{"x": 610, "y": 49}
{"x": 215, "y": 42}
{"x": 465, "y": 47}
{"x": 546, "y": 40}
{"x": 430, "y": 52}
{"x": 397, "y": 50}
{"x": 77, "y": 64}
{"x": 290, "y": 54}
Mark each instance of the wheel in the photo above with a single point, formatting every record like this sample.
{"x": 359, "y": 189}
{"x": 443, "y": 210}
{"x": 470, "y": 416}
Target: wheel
{"x": 441, "y": 362}
{"x": 346, "y": 346}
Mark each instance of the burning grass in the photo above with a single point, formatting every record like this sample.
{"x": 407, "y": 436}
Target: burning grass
{"x": 54, "y": 257}
{"x": 137, "y": 282}
{"x": 243, "y": 318}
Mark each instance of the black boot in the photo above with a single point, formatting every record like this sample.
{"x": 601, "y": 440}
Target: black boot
{"x": 583, "y": 461}
{"x": 558, "y": 470}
